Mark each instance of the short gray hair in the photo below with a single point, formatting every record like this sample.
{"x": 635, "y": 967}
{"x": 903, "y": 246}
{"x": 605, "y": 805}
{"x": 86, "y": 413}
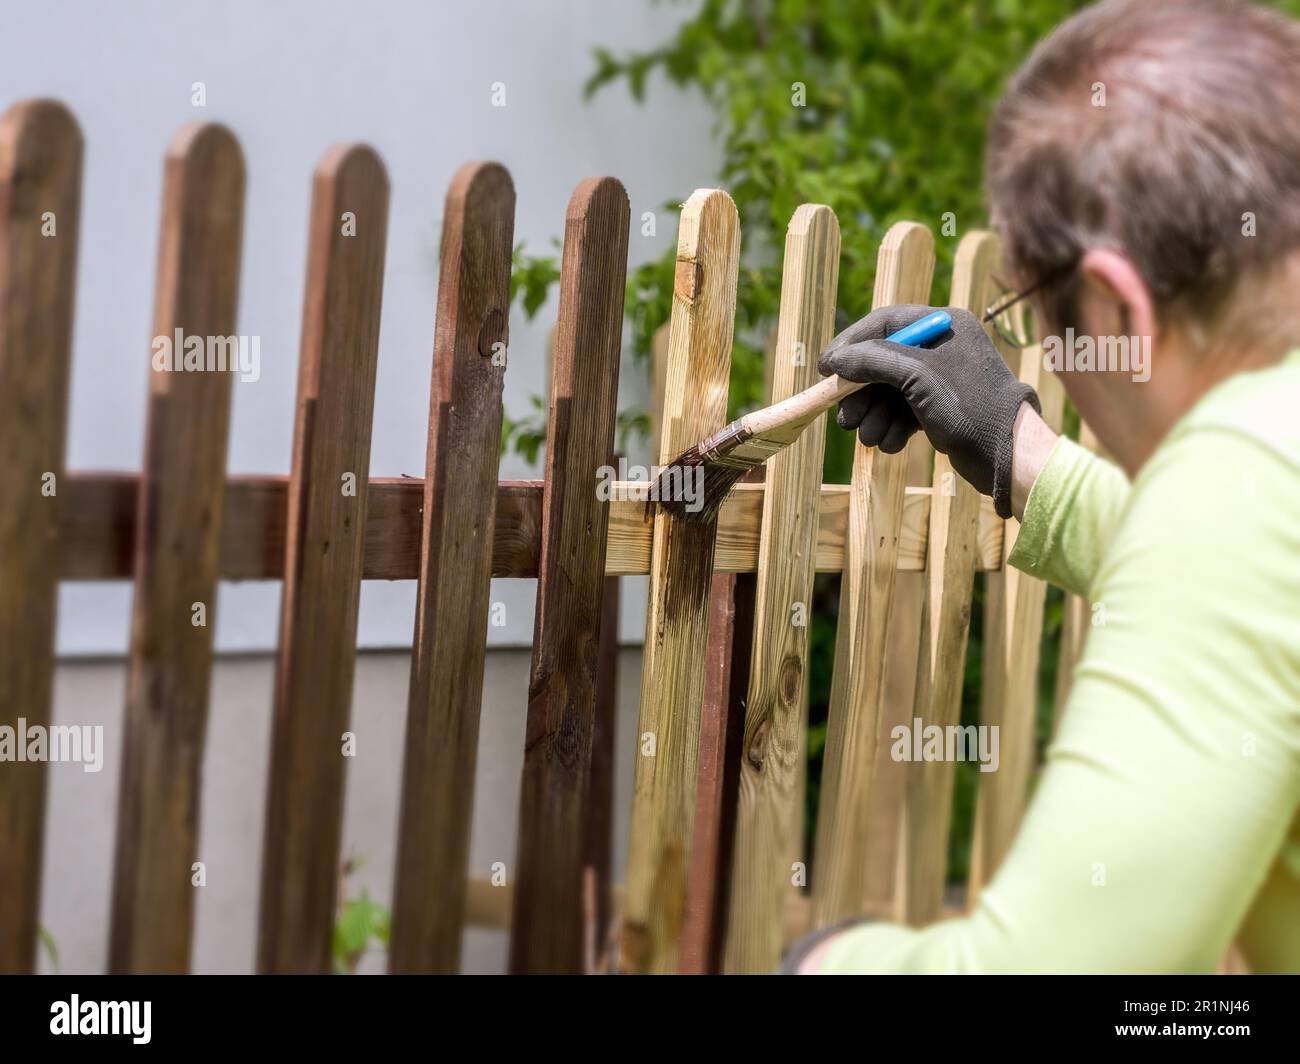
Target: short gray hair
{"x": 1162, "y": 130}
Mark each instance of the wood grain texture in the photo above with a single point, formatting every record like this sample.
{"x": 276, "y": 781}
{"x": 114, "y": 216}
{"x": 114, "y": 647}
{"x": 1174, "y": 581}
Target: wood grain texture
{"x": 1013, "y": 629}
{"x": 884, "y": 817}
{"x": 177, "y": 551}
{"x": 40, "y": 186}
{"x": 598, "y": 810}
{"x": 547, "y": 932}
{"x": 770, "y": 809}
{"x": 945, "y": 623}
{"x": 323, "y": 561}
{"x": 663, "y": 802}
{"x": 903, "y": 275}
{"x": 658, "y": 384}
{"x": 97, "y": 529}
{"x": 722, "y": 722}
{"x": 451, "y": 613}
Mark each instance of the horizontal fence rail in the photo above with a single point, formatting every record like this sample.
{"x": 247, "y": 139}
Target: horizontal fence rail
{"x": 97, "y": 522}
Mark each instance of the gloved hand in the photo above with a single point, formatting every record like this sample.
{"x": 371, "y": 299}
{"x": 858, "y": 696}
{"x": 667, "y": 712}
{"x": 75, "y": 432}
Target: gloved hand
{"x": 958, "y": 390}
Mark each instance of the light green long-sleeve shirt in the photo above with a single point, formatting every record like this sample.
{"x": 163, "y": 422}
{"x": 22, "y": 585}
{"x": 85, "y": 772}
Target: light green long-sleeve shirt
{"x": 1164, "y": 825}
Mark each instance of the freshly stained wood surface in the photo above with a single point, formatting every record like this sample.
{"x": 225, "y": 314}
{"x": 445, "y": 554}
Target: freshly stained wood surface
{"x": 40, "y": 192}
{"x": 177, "y": 551}
{"x": 668, "y": 732}
{"x": 598, "y": 811}
{"x": 547, "y": 932}
{"x": 875, "y": 530}
{"x": 323, "y": 561}
{"x": 770, "y": 809}
{"x": 722, "y": 721}
{"x": 97, "y": 526}
{"x": 945, "y": 623}
{"x": 455, "y": 562}
{"x": 1013, "y": 626}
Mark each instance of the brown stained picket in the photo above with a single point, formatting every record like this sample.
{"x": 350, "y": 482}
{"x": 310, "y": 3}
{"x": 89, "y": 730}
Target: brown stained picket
{"x": 722, "y": 727}
{"x": 454, "y": 570}
{"x": 547, "y": 927}
{"x": 40, "y": 194}
{"x": 598, "y": 818}
{"x": 177, "y": 552}
{"x": 323, "y": 560}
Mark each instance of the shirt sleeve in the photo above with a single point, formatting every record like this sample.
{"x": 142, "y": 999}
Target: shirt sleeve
{"x": 1073, "y": 509}
{"x": 1169, "y": 791}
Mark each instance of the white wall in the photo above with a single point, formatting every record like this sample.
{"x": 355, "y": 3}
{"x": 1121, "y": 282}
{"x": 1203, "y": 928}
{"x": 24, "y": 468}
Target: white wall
{"x": 291, "y": 77}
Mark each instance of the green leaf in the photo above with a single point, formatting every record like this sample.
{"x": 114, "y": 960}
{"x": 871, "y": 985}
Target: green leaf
{"x": 361, "y": 922}
{"x": 51, "y": 947}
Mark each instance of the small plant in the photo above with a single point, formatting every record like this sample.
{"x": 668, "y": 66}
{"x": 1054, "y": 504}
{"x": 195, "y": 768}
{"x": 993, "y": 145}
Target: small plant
{"x": 362, "y": 924}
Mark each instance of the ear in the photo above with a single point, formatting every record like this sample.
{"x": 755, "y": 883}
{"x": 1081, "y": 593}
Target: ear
{"x": 1115, "y": 299}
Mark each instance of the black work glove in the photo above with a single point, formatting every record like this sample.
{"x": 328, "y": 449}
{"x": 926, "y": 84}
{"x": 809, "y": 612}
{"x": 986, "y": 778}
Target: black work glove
{"x": 958, "y": 390}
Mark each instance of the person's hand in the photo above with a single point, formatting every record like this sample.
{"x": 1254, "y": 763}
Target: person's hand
{"x": 958, "y": 390}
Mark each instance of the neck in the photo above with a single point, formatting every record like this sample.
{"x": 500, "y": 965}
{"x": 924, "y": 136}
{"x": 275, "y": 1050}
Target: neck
{"x": 1131, "y": 418}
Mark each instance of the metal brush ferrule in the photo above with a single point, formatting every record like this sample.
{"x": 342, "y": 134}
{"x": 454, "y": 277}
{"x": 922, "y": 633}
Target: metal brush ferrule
{"x": 719, "y": 446}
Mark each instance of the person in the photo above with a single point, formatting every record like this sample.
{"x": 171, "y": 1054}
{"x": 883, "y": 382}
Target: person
{"x": 1143, "y": 169}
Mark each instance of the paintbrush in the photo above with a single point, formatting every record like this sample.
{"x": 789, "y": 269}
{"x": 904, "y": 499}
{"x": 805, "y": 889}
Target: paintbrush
{"x": 695, "y": 485}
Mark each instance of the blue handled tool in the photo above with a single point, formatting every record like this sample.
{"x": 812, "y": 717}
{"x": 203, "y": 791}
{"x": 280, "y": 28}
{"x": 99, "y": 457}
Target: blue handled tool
{"x": 695, "y": 485}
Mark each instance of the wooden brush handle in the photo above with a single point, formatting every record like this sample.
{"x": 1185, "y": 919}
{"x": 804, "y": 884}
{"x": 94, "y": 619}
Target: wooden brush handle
{"x": 782, "y": 422}
{"x": 795, "y": 413}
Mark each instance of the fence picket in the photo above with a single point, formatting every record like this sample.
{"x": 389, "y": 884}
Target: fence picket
{"x": 769, "y": 819}
{"x": 178, "y": 543}
{"x": 673, "y": 669}
{"x": 325, "y": 537}
{"x": 454, "y": 571}
{"x": 875, "y": 525}
{"x": 547, "y": 929}
{"x": 945, "y": 624}
{"x": 40, "y": 200}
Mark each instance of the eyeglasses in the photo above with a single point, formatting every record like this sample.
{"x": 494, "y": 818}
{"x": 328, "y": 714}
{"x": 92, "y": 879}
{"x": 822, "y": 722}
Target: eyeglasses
{"x": 1015, "y": 332}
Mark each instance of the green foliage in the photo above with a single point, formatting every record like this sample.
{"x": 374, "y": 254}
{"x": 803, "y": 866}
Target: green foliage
{"x": 531, "y": 277}
{"x": 526, "y": 435}
{"x": 362, "y": 923}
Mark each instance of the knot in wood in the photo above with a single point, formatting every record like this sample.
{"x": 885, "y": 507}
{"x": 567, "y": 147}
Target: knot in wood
{"x": 790, "y": 680}
{"x": 491, "y": 332}
{"x": 757, "y": 751}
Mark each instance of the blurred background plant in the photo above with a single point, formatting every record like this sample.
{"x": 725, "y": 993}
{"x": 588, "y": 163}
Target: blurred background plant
{"x": 361, "y": 924}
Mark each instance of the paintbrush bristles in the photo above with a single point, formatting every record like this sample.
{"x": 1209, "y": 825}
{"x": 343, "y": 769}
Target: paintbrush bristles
{"x": 694, "y": 486}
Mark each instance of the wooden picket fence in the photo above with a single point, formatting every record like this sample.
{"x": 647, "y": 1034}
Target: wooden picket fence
{"x": 714, "y": 879}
